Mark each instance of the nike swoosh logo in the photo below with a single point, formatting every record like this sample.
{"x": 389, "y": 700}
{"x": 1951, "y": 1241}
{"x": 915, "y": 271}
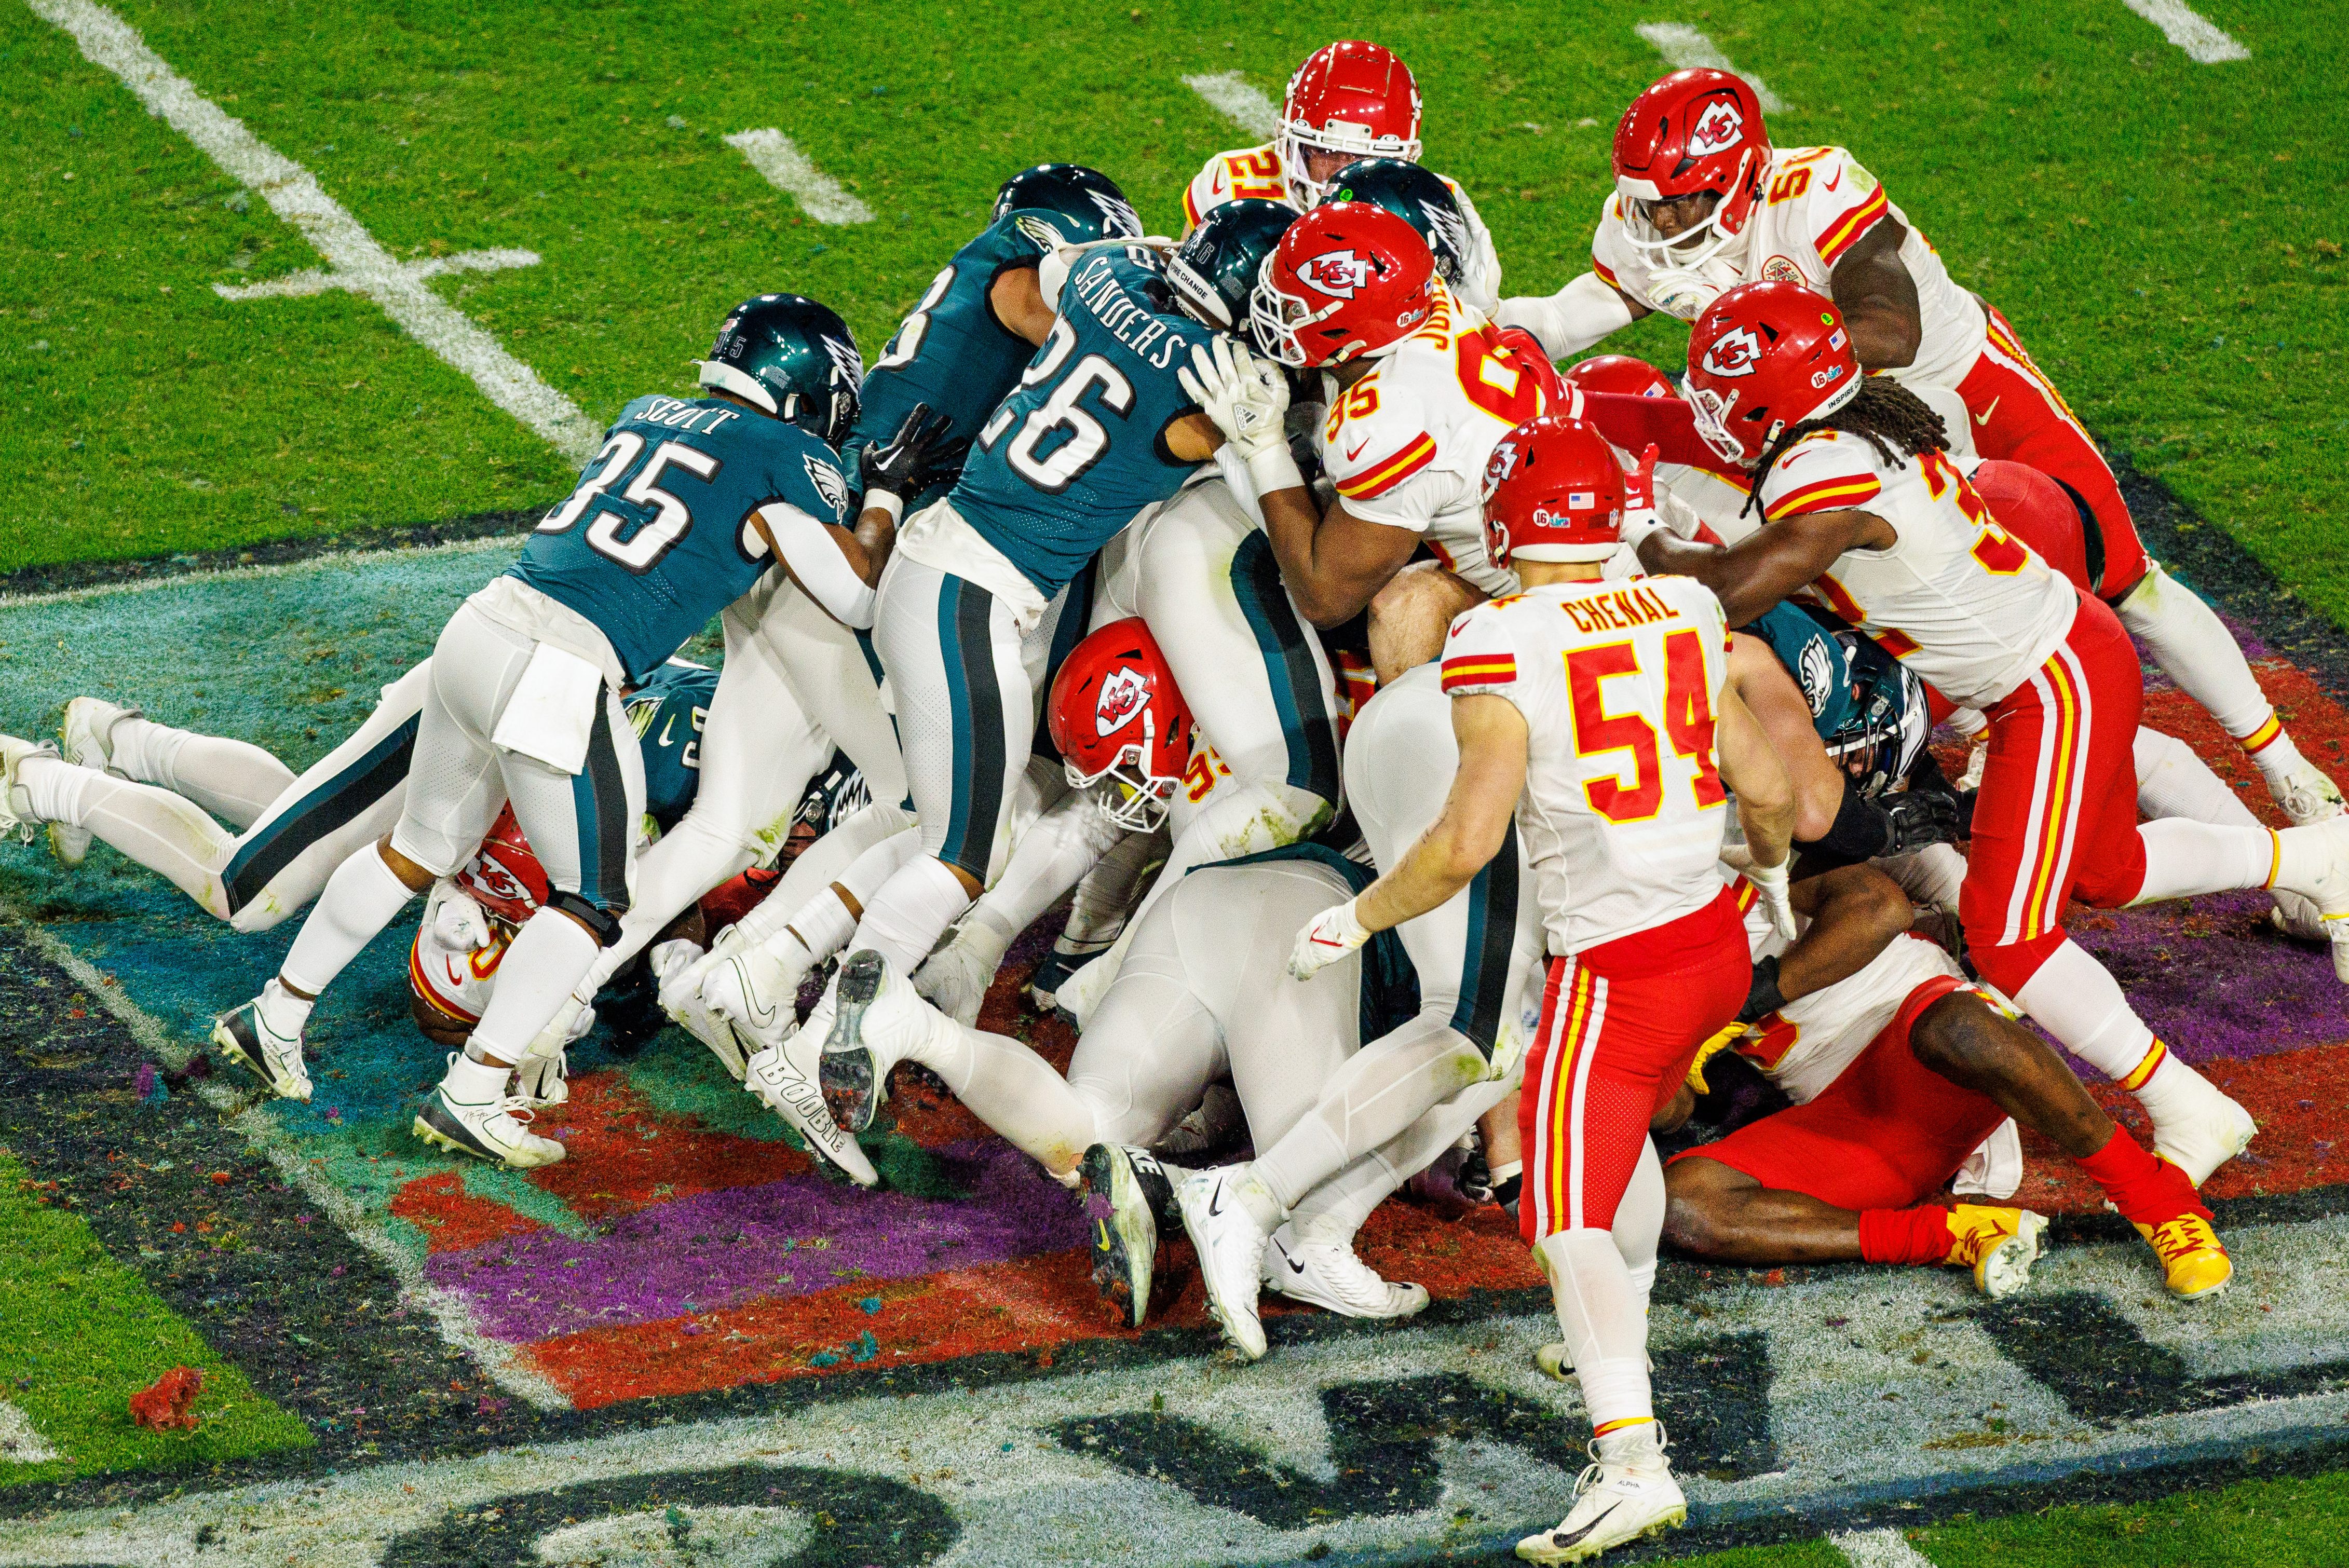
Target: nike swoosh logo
{"x": 1359, "y": 451}
{"x": 1560, "y": 1538}
{"x": 750, "y": 1001}
{"x": 1294, "y": 1266}
{"x": 1984, "y": 417}
{"x": 1834, "y": 182}
{"x": 1216, "y": 1203}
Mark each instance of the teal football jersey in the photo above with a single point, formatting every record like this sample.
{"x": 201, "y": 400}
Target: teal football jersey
{"x": 1815, "y": 660}
{"x": 1081, "y": 446}
{"x": 950, "y": 352}
{"x": 657, "y": 537}
{"x": 668, "y": 713}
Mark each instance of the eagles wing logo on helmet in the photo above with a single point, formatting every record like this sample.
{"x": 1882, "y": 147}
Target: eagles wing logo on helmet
{"x": 1450, "y": 231}
{"x": 1038, "y": 230}
{"x": 844, "y": 358}
{"x": 1716, "y": 129}
{"x": 1120, "y": 699}
{"x": 1816, "y": 673}
{"x": 829, "y": 483}
{"x": 1733, "y": 353}
{"x": 1118, "y": 217}
{"x": 1337, "y": 273}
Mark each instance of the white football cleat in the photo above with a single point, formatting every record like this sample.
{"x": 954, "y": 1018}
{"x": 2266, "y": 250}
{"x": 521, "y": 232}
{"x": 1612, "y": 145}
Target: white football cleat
{"x": 2305, "y": 794}
{"x": 1332, "y": 1278}
{"x": 245, "y": 1039}
{"x": 785, "y": 1078}
{"x": 1625, "y": 1493}
{"x": 2196, "y": 1126}
{"x": 955, "y": 978}
{"x": 472, "y": 1113}
{"x": 86, "y": 735}
{"x": 1230, "y": 1245}
{"x": 758, "y": 991}
{"x": 878, "y": 1020}
{"x": 15, "y": 805}
{"x": 2297, "y": 917}
{"x": 544, "y": 1082}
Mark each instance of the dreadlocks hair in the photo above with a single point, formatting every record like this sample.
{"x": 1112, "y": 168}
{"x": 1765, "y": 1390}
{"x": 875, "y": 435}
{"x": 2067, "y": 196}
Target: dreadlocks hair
{"x": 1883, "y": 414}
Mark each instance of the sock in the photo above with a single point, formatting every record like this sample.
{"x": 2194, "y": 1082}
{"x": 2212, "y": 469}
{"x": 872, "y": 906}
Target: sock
{"x": 822, "y": 925}
{"x": 2302, "y": 856}
{"x": 230, "y": 779}
{"x": 2145, "y": 1190}
{"x": 360, "y": 899}
{"x": 907, "y": 917}
{"x": 471, "y": 1082}
{"x": 1253, "y": 1196}
{"x": 534, "y": 979}
{"x": 1605, "y": 1333}
{"x": 2193, "y": 645}
{"x": 2183, "y": 859}
{"x": 1914, "y": 1236}
{"x": 2173, "y": 781}
{"x": 2276, "y": 757}
{"x": 54, "y": 790}
{"x": 2075, "y": 999}
{"x": 281, "y": 1010}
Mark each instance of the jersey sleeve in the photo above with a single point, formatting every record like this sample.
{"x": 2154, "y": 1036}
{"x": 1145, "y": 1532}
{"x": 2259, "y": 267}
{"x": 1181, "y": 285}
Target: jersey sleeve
{"x": 1824, "y": 472}
{"x": 1480, "y": 655}
{"x": 1375, "y": 444}
{"x": 1838, "y": 204}
{"x": 1227, "y": 176}
{"x": 1482, "y": 287}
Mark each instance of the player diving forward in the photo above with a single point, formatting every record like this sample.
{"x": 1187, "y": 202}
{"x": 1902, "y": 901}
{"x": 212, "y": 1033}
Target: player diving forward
{"x": 1597, "y": 714}
{"x": 1866, "y": 513}
{"x": 1702, "y": 201}
{"x": 682, "y": 510}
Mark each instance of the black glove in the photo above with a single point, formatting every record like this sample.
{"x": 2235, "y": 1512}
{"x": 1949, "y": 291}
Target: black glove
{"x": 1918, "y": 818}
{"x": 916, "y": 457}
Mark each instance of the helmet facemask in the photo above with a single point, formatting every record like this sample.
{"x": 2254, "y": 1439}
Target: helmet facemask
{"x": 1710, "y": 412}
{"x": 1137, "y": 799}
{"x": 1298, "y": 138}
{"x": 1724, "y": 233}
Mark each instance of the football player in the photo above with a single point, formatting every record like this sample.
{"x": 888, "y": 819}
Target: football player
{"x": 1349, "y": 100}
{"x": 524, "y": 703}
{"x": 1605, "y": 707}
{"x": 1702, "y": 201}
{"x": 1865, "y": 513}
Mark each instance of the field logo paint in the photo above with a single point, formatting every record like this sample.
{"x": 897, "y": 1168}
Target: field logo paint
{"x": 1686, "y": 48}
{"x": 1229, "y": 94}
{"x": 789, "y": 171}
{"x": 354, "y": 260}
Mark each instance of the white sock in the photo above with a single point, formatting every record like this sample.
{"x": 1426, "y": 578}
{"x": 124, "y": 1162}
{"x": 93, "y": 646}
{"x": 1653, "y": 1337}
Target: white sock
{"x": 2197, "y": 651}
{"x": 168, "y": 834}
{"x": 1639, "y": 1224}
{"x": 1058, "y": 850}
{"x": 1248, "y": 1188}
{"x": 1012, "y": 1089}
{"x": 534, "y": 979}
{"x": 53, "y": 790}
{"x": 2172, "y": 1089}
{"x": 360, "y": 899}
{"x": 1605, "y": 1331}
{"x": 471, "y": 1082}
{"x": 2075, "y": 999}
{"x": 822, "y": 925}
{"x": 2172, "y": 780}
{"x": 231, "y": 779}
{"x": 283, "y": 1011}
{"x": 905, "y": 919}
{"x": 2279, "y": 759}
{"x": 2183, "y": 857}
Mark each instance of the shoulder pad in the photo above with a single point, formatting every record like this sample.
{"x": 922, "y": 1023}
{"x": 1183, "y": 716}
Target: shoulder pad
{"x": 1825, "y": 471}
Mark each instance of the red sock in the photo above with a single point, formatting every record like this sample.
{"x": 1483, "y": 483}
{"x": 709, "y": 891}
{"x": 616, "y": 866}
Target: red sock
{"x": 1904, "y": 1235}
{"x": 2145, "y": 1190}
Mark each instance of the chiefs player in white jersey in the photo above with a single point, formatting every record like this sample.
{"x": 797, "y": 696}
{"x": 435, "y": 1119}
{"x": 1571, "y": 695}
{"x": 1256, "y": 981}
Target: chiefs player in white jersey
{"x": 1702, "y": 201}
{"x": 1349, "y": 99}
{"x": 1864, "y": 514}
{"x": 1421, "y": 386}
{"x": 1595, "y": 702}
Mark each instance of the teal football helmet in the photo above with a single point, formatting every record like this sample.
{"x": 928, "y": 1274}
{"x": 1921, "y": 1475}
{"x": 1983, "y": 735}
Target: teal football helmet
{"x": 793, "y": 357}
{"x": 1076, "y": 204}
{"x": 1416, "y": 195}
{"x": 1213, "y": 272}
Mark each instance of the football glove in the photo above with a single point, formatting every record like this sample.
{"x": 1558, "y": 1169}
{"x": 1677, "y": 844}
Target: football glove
{"x": 1685, "y": 292}
{"x": 1639, "y": 519}
{"x": 917, "y": 457}
{"x": 1770, "y": 882}
{"x": 1325, "y": 939}
{"x": 460, "y": 923}
{"x": 1918, "y": 818}
{"x": 1247, "y": 397}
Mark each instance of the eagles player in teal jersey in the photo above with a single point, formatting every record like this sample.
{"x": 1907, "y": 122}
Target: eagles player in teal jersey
{"x": 1099, "y": 429}
{"x": 682, "y": 510}
{"x": 961, "y": 348}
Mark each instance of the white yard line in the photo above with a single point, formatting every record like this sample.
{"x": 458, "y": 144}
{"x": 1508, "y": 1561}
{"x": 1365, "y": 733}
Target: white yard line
{"x": 20, "y": 1443}
{"x": 355, "y": 261}
{"x": 2203, "y": 42}
{"x": 1878, "y": 1549}
{"x": 788, "y": 170}
{"x": 272, "y": 568}
{"x": 261, "y": 1132}
{"x": 1229, "y": 94}
{"x": 1685, "y": 48}
{"x": 295, "y": 286}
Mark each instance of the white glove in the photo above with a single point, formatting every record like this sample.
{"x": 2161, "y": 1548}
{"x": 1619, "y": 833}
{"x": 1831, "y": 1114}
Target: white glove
{"x": 670, "y": 962}
{"x": 1325, "y": 939}
{"x": 1684, "y": 292}
{"x": 1247, "y": 398}
{"x": 460, "y": 923}
{"x": 1770, "y": 882}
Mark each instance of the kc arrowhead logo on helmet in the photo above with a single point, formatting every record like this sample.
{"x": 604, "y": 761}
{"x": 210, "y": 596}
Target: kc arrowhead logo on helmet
{"x": 1337, "y": 273}
{"x": 1121, "y": 693}
{"x": 1735, "y": 353}
{"x": 1716, "y": 129}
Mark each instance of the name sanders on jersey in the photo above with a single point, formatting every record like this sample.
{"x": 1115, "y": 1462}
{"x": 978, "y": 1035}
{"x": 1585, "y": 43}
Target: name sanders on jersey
{"x": 1098, "y": 287}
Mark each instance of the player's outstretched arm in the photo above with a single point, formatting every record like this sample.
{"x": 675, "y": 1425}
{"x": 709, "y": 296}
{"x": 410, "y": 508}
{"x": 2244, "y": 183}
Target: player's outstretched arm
{"x": 1765, "y": 801}
{"x": 1581, "y": 314}
{"x": 1769, "y": 563}
{"x": 1879, "y": 299}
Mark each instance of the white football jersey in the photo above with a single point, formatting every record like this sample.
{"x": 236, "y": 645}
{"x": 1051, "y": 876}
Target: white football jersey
{"x": 455, "y": 981}
{"x": 1406, "y": 445}
{"x": 1256, "y": 172}
{"x": 1956, "y": 598}
{"x": 1623, "y": 807}
{"x": 1817, "y": 203}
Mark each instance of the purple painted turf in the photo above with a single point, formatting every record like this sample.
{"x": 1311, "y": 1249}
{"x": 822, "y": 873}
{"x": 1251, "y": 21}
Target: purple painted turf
{"x": 2210, "y": 979}
{"x": 650, "y": 1265}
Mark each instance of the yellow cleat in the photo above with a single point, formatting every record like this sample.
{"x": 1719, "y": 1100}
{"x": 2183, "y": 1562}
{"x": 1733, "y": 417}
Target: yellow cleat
{"x": 1999, "y": 1245}
{"x": 2191, "y": 1254}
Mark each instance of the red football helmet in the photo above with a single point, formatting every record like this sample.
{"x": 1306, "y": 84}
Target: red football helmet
{"x": 1622, "y": 375}
{"x": 1348, "y": 279}
{"x": 1553, "y": 491}
{"x": 1762, "y": 357}
{"x": 504, "y": 876}
{"x": 1694, "y": 130}
{"x": 1115, "y": 714}
{"x": 1349, "y": 97}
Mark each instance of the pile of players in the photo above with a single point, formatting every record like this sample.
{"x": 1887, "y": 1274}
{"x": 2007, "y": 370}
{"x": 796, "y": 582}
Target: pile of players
{"x": 1439, "y": 751}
